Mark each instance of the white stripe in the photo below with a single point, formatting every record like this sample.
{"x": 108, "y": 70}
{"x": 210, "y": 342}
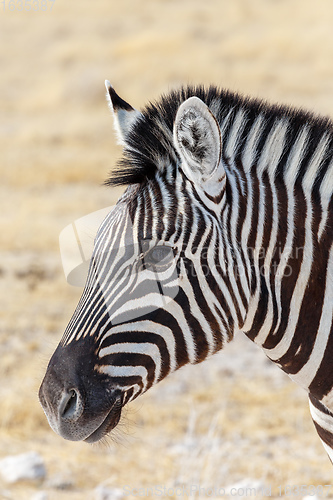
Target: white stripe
{"x": 273, "y": 149}
{"x": 147, "y": 348}
{"x": 225, "y": 290}
{"x": 249, "y": 152}
{"x": 248, "y": 160}
{"x": 134, "y": 308}
{"x": 231, "y": 276}
{"x": 326, "y": 190}
{"x": 204, "y": 288}
{"x": 305, "y": 376}
{"x": 272, "y": 153}
{"x": 300, "y": 288}
{"x": 166, "y": 209}
{"x": 328, "y": 450}
{"x": 315, "y": 163}
{"x": 220, "y": 244}
{"x": 325, "y": 421}
{"x": 225, "y": 122}
{"x": 126, "y": 371}
{"x": 102, "y": 259}
{"x": 295, "y": 158}
{"x": 293, "y": 162}
{"x": 233, "y": 224}
{"x": 247, "y": 227}
{"x": 150, "y": 327}
{"x": 178, "y": 314}
{"x": 233, "y": 136}
{"x": 254, "y": 301}
{"x": 231, "y": 151}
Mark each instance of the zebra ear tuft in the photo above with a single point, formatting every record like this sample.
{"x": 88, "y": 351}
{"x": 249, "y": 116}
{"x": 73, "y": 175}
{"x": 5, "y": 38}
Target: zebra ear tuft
{"x": 197, "y": 138}
{"x": 123, "y": 113}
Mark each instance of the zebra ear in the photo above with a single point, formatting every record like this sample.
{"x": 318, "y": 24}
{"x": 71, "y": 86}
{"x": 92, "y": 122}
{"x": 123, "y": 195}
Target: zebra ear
{"x": 123, "y": 113}
{"x": 197, "y": 138}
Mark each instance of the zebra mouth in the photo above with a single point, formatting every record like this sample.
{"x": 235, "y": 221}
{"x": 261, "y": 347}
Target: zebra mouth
{"x": 109, "y": 423}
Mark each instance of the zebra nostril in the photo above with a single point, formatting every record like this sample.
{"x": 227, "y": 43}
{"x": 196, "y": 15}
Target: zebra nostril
{"x": 71, "y": 405}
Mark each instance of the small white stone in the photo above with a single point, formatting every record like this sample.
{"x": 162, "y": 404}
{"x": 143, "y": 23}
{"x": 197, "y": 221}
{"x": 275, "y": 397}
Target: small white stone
{"x": 5, "y": 494}
{"x": 59, "y": 482}
{"x": 245, "y": 488}
{"x": 106, "y": 493}
{"x": 21, "y": 467}
{"x": 41, "y": 495}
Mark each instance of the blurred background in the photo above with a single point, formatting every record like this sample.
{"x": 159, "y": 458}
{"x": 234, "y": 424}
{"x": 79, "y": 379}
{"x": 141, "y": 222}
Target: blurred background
{"x": 231, "y": 419}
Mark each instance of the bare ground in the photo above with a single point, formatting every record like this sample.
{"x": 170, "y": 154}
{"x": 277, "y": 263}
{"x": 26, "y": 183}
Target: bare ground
{"x": 231, "y": 418}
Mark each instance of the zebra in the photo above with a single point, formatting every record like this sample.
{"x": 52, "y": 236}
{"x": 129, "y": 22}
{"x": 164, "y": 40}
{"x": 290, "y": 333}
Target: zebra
{"x": 225, "y": 227}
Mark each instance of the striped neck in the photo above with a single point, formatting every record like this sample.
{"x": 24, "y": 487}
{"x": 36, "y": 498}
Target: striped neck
{"x": 279, "y": 189}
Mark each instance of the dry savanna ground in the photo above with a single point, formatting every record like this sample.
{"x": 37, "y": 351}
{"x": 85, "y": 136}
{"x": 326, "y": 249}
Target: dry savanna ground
{"x": 235, "y": 416}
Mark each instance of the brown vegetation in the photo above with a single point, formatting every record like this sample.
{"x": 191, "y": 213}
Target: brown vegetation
{"x": 214, "y": 424}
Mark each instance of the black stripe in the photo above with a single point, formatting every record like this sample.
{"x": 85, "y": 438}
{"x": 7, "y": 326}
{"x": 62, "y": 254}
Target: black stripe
{"x": 138, "y": 337}
{"x": 131, "y": 359}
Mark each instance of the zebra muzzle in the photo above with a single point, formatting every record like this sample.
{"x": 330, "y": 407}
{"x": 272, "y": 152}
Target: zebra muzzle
{"x": 79, "y": 403}
{"x": 74, "y": 417}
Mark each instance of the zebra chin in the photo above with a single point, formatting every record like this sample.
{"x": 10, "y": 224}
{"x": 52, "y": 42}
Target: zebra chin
{"x": 109, "y": 423}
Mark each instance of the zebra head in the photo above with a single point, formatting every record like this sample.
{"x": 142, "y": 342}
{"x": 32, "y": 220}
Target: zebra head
{"x": 156, "y": 295}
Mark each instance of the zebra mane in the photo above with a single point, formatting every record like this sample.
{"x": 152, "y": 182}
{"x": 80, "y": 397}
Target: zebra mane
{"x": 149, "y": 146}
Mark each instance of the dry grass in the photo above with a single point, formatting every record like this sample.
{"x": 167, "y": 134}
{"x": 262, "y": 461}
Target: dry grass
{"x": 205, "y": 424}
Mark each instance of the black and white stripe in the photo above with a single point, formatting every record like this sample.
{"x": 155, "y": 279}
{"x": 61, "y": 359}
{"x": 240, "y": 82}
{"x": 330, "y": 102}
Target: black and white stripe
{"x": 234, "y": 198}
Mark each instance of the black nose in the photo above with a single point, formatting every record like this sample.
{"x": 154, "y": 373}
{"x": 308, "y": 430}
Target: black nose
{"x": 62, "y": 393}
{"x": 63, "y": 406}
{"x": 76, "y": 398}
{"x": 71, "y": 406}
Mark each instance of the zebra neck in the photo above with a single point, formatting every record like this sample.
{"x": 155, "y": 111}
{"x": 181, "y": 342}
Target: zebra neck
{"x": 279, "y": 191}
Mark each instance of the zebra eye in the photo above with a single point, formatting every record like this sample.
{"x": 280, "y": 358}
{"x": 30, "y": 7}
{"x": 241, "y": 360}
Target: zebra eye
{"x": 159, "y": 255}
